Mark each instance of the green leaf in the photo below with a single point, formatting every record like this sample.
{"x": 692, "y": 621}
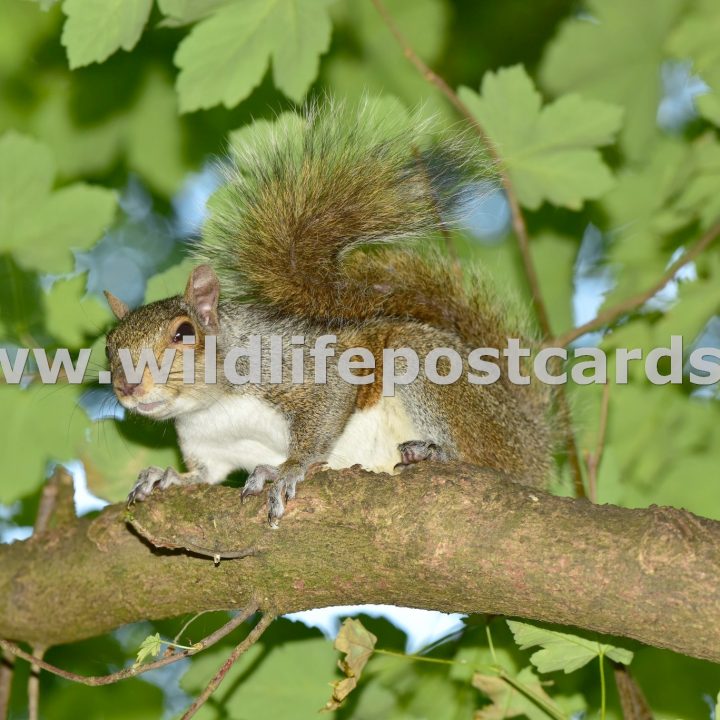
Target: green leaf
{"x": 132, "y": 698}
{"x": 613, "y": 53}
{"x": 550, "y": 153}
{"x": 670, "y": 190}
{"x": 21, "y": 306}
{"x": 154, "y": 135}
{"x": 149, "y": 647}
{"x": 71, "y": 315}
{"x": 554, "y": 258}
{"x": 26, "y": 172}
{"x": 22, "y": 27}
{"x": 696, "y": 38}
{"x": 226, "y": 55}
{"x": 73, "y": 217}
{"x": 95, "y": 29}
{"x": 181, "y": 12}
{"x": 507, "y": 702}
{"x": 47, "y": 424}
{"x": 148, "y": 130}
{"x": 79, "y": 147}
{"x": 562, "y": 651}
{"x": 699, "y": 197}
{"x": 39, "y": 226}
{"x": 358, "y": 644}
{"x": 45, "y": 5}
{"x": 305, "y": 31}
{"x": 708, "y": 105}
{"x": 169, "y": 282}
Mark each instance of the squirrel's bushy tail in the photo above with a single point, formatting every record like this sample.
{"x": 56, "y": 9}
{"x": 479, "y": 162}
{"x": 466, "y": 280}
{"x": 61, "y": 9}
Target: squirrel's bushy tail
{"x": 314, "y": 187}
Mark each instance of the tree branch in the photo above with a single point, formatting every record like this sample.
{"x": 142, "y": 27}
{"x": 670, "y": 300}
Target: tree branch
{"x": 454, "y": 538}
{"x": 96, "y": 680}
{"x": 609, "y": 316}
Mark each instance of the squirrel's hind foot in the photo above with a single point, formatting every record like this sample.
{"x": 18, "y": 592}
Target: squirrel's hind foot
{"x": 415, "y": 451}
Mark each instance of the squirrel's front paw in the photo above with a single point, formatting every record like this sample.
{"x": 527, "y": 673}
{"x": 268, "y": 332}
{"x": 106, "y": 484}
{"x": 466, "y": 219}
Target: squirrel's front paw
{"x": 152, "y": 478}
{"x": 285, "y": 479}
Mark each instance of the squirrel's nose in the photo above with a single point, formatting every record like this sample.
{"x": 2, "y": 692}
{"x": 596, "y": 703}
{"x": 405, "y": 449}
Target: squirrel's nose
{"x": 128, "y": 388}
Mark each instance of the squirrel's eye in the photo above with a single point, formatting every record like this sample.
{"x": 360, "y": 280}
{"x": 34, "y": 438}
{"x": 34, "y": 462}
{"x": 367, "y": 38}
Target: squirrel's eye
{"x": 184, "y": 330}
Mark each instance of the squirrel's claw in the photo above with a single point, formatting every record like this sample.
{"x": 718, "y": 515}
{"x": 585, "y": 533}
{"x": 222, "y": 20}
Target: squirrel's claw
{"x": 415, "y": 451}
{"x": 256, "y": 480}
{"x": 146, "y": 482}
{"x": 153, "y": 478}
{"x": 282, "y": 490}
{"x": 285, "y": 480}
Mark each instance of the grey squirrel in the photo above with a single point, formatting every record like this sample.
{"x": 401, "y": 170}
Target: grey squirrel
{"x": 309, "y": 237}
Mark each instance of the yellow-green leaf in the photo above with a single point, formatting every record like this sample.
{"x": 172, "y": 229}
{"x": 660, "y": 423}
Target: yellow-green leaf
{"x": 47, "y": 424}
{"x": 41, "y": 227}
{"x": 226, "y": 55}
{"x": 95, "y": 29}
{"x": 550, "y": 153}
{"x": 562, "y": 651}
{"x": 71, "y": 315}
{"x": 613, "y": 52}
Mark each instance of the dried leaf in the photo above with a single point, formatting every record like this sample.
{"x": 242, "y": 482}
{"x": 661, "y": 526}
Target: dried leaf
{"x": 358, "y": 644}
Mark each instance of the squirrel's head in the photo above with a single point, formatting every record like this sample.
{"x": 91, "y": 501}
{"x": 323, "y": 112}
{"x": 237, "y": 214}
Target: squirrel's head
{"x": 176, "y": 324}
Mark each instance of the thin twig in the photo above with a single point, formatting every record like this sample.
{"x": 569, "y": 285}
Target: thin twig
{"x": 625, "y": 307}
{"x": 132, "y": 671}
{"x": 7, "y": 668}
{"x": 180, "y": 632}
{"x": 34, "y": 684}
{"x": 594, "y": 458}
{"x": 571, "y": 446}
{"x": 632, "y": 700}
{"x": 252, "y": 637}
{"x": 216, "y": 555}
{"x": 518, "y": 221}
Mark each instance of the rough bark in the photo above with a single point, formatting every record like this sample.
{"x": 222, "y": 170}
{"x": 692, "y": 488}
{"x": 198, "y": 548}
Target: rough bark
{"x": 452, "y": 538}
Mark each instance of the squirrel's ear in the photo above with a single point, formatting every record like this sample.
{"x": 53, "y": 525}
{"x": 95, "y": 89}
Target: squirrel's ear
{"x": 202, "y": 293}
{"x": 118, "y": 307}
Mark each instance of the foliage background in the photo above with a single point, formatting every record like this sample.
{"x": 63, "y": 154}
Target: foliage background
{"x": 606, "y": 114}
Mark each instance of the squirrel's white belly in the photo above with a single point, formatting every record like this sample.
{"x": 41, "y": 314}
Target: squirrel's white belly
{"x": 236, "y": 433}
{"x": 371, "y": 437}
{"x": 242, "y": 432}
